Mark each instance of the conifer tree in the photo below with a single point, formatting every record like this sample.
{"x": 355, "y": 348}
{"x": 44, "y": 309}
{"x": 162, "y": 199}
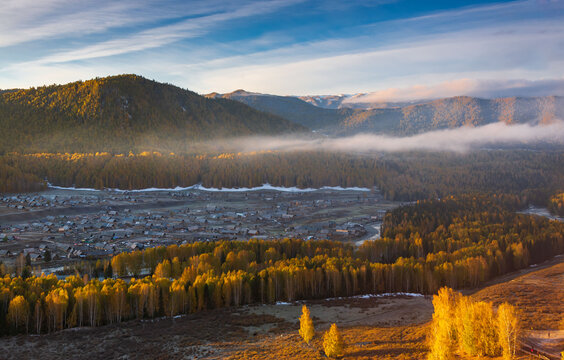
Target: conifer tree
{"x": 307, "y": 331}
{"x": 333, "y": 343}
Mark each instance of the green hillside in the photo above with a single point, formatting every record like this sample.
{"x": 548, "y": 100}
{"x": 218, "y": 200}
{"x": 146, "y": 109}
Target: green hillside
{"x": 122, "y": 113}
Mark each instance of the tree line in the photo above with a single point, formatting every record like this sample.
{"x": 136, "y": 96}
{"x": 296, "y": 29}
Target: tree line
{"x": 474, "y": 238}
{"x": 534, "y": 176}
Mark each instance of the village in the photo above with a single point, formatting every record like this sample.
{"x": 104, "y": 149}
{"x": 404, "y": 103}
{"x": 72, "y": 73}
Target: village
{"x": 56, "y": 227}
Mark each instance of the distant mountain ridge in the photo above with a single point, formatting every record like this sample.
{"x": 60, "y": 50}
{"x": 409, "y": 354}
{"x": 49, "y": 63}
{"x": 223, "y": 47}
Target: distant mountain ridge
{"x": 288, "y": 107}
{"x": 355, "y": 101}
{"x": 123, "y": 113}
{"x": 329, "y": 115}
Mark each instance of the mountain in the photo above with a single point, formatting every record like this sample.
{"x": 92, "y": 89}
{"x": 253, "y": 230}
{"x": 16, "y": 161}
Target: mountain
{"x": 333, "y": 117}
{"x": 288, "y": 107}
{"x": 471, "y": 111}
{"x": 123, "y": 113}
{"x": 325, "y": 101}
{"x": 356, "y": 101}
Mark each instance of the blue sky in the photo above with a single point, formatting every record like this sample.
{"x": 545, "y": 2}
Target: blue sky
{"x": 394, "y": 50}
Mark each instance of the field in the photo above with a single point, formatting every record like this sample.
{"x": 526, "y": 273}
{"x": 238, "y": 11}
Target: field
{"x": 255, "y": 332}
{"x": 539, "y": 295}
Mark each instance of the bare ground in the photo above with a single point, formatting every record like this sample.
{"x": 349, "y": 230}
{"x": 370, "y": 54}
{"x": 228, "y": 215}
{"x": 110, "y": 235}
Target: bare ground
{"x": 215, "y": 334}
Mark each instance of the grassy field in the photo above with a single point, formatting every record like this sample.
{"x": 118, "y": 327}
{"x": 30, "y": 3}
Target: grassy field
{"x": 538, "y": 294}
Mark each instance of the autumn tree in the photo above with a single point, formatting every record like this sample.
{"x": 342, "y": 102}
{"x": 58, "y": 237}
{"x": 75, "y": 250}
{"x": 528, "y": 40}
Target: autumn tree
{"x": 509, "y": 328}
{"x": 443, "y": 330}
{"x": 57, "y": 303}
{"x": 18, "y": 313}
{"x": 307, "y": 331}
{"x": 333, "y": 343}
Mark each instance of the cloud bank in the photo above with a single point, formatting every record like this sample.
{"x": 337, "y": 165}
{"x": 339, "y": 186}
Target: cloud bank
{"x": 469, "y": 87}
{"x": 461, "y": 139}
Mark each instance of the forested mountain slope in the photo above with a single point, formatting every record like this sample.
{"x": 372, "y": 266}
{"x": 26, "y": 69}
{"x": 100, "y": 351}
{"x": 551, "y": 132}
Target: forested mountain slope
{"x": 288, "y": 107}
{"x": 123, "y": 113}
{"x": 406, "y": 119}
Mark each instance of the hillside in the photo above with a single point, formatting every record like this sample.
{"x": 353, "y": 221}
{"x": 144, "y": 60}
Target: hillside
{"x": 402, "y": 118}
{"x": 123, "y": 113}
{"x": 288, "y": 107}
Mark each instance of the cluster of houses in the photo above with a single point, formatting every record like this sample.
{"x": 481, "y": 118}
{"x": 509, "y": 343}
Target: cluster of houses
{"x": 212, "y": 217}
{"x": 23, "y": 202}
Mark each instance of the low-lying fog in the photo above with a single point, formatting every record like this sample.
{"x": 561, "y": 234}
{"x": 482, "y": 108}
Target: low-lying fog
{"x": 459, "y": 140}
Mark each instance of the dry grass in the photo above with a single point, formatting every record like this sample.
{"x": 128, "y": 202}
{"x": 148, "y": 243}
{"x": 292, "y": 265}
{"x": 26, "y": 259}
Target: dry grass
{"x": 405, "y": 342}
{"x": 539, "y": 295}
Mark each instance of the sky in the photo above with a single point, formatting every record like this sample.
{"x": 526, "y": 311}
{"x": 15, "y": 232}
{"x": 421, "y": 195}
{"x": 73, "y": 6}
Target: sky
{"x": 393, "y": 50}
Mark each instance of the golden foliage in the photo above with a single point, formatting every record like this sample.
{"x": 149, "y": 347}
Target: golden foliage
{"x": 473, "y": 327}
{"x": 412, "y": 257}
{"x": 556, "y": 204}
{"x": 333, "y": 344}
{"x": 509, "y": 329}
{"x": 18, "y": 313}
{"x": 307, "y": 331}
{"x": 443, "y": 331}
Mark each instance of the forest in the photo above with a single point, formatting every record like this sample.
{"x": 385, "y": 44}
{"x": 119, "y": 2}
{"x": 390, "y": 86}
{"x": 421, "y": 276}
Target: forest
{"x": 459, "y": 242}
{"x": 533, "y": 175}
{"x": 123, "y": 113}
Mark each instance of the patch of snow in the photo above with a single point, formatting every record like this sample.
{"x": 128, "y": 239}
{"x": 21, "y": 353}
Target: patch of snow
{"x": 371, "y": 296}
{"x": 266, "y": 186}
{"x": 69, "y": 188}
{"x": 365, "y": 296}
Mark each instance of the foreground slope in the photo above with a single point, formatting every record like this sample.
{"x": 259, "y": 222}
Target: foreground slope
{"x": 382, "y": 328}
{"x": 123, "y": 113}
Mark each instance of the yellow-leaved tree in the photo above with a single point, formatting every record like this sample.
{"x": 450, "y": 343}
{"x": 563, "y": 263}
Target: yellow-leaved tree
{"x": 307, "y": 331}
{"x": 509, "y": 329}
{"x": 18, "y": 313}
{"x": 443, "y": 330}
{"x": 333, "y": 343}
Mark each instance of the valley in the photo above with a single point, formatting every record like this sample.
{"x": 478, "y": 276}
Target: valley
{"x": 87, "y": 224}
{"x": 288, "y": 180}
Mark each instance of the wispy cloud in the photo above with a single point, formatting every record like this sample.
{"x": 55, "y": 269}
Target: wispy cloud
{"x": 163, "y": 35}
{"x": 205, "y": 46}
{"x": 29, "y": 20}
{"x": 531, "y": 51}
